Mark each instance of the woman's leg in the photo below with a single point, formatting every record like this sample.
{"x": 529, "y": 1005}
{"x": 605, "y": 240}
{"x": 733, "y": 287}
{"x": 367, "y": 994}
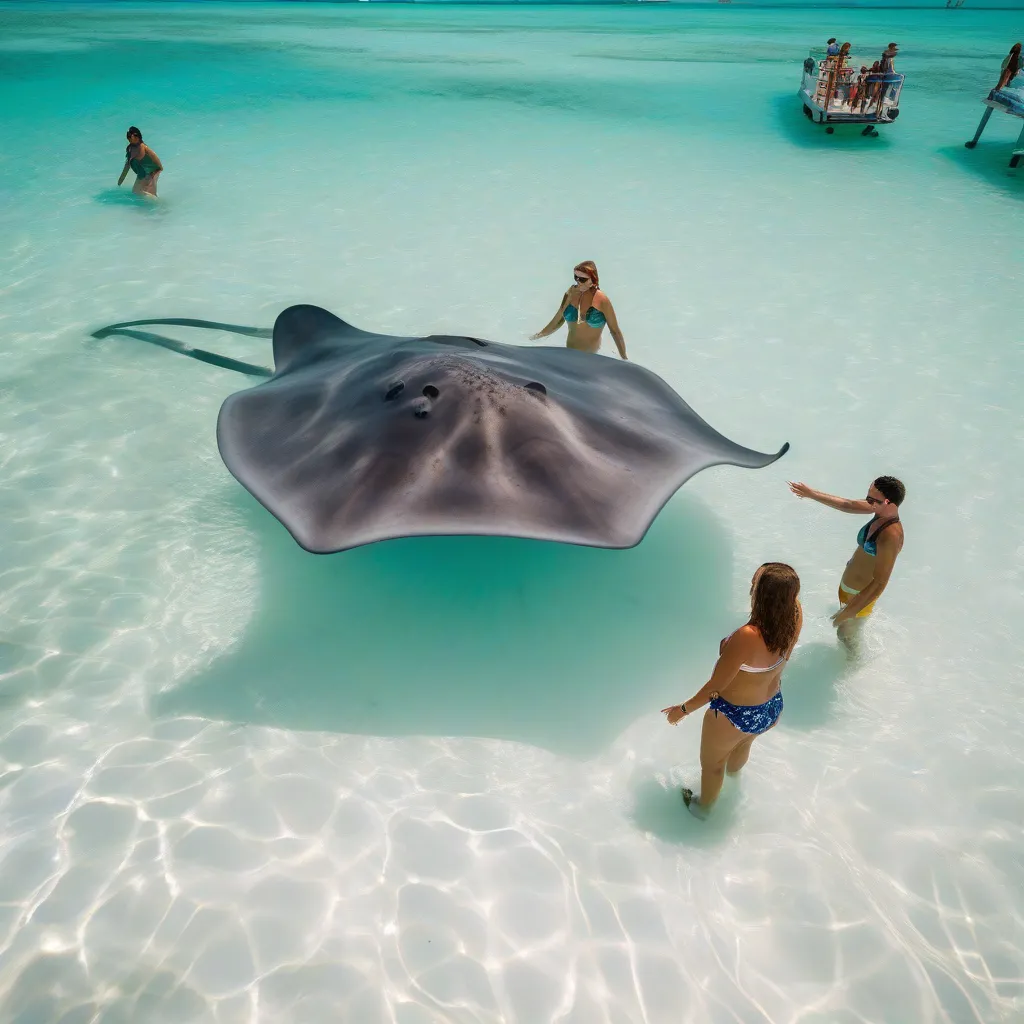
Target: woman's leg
{"x": 145, "y": 186}
{"x": 719, "y": 738}
{"x": 738, "y": 758}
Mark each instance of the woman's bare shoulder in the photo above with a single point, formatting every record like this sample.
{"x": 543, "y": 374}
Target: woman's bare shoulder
{"x": 746, "y": 636}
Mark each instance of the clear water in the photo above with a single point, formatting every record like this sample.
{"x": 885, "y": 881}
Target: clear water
{"x": 428, "y": 780}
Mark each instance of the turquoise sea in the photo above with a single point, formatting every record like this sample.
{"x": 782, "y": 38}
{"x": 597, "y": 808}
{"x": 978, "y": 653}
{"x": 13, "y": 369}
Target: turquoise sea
{"x": 427, "y": 781}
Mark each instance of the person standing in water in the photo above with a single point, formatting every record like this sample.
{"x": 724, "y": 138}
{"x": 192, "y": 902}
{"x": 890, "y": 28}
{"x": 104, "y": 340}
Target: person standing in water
{"x": 744, "y": 690}
{"x": 143, "y": 161}
{"x": 879, "y": 543}
{"x": 585, "y": 327}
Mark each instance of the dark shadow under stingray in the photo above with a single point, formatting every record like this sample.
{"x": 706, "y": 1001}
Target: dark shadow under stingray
{"x": 552, "y": 645}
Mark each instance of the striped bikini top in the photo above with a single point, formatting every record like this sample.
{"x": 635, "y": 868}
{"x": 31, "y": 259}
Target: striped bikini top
{"x": 754, "y": 669}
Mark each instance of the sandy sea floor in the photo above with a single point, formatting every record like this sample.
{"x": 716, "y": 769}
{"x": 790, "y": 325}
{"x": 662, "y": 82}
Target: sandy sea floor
{"x": 427, "y": 780}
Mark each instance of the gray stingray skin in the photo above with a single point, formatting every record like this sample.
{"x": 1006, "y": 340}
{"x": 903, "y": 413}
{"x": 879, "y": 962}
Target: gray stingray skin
{"x": 363, "y": 437}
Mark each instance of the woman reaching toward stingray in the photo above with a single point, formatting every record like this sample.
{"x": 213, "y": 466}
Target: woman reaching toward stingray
{"x": 143, "y": 161}
{"x": 745, "y": 688}
{"x": 585, "y": 309}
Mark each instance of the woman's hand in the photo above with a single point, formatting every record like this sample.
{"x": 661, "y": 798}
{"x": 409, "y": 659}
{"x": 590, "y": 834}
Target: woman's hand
{"x": 674, "y": 714}
{"x": 537, "y": 336}
{"x": 841, "y": 616}
{"x": 800, "y": 489}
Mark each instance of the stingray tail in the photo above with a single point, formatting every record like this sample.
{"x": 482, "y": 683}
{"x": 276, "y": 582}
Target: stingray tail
{"x": 251, "y": 369}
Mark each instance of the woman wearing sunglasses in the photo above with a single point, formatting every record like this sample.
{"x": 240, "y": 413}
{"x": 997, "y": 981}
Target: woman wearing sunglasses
{"x": 585, "y": 309}
{"x": 139, "y": 158}
{"x": 879, "y": 542}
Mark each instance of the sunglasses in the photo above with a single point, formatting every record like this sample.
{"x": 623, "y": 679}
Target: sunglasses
{"x": 874, "y": 501}
{"x": 580, "y": 279}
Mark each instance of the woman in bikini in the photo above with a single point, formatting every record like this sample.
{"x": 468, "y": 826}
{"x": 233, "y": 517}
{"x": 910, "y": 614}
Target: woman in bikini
{"x": 585, "y": 327}
{"x": 139, "y": 158}
{"x": 744, "y": 689}
{"x": 879, "y": 542}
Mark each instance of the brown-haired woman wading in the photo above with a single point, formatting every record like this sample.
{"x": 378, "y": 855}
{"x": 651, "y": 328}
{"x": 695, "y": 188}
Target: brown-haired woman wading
{"x": 748, "y": 672}
{"x": 139, "y": 158}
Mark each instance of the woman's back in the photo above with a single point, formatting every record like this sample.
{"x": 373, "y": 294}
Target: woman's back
{"x": 761, "y": 671}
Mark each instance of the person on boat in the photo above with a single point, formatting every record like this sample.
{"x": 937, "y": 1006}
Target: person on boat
{"x": 585, "y": 309}
{"x": 843, "y": 73}
{"x": 870, "y": 85}
{"x": 1010, "y": 67}
{"x": 139, "y": 158}
{"x": 832, "y": 47}
{"x": 879, "y": 543}
{"x": 744, "y": 690}
{"x": 889, "y": 54}
{"x": 857, "y": 86}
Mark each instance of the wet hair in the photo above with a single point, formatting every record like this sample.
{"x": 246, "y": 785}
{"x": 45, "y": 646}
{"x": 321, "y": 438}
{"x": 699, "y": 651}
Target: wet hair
{"x": 589, "y": 268}
{"x": 1014, "y": 65}
{"x": 773, "y": 609}
{"x": 131, "y": 131}
{"x": 845, "y": 48}
{"x": 891, "y": 488}
{"x": 832, "y": 40}
{"x": 893, "y": 46}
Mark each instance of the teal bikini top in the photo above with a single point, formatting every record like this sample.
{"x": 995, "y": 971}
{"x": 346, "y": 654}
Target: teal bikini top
{"x": 869, "y": 546}
{"x": 144, "y": 167}
{"x": 595, "y": 318}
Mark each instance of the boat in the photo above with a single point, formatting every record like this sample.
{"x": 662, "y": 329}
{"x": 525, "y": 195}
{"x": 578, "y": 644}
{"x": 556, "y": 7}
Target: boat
{"x": 1010, "y": 100}
{"x": 825, "y": 92}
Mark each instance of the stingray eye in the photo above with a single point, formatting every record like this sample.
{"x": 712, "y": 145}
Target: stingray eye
{"x": 394, "y": 391}
{"x": 536, "y": 388}
{"x": 430, "y": 391}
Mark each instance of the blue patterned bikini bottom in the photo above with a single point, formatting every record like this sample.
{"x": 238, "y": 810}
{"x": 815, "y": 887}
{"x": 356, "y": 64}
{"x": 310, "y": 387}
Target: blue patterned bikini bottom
{"x": 752, "y": 718}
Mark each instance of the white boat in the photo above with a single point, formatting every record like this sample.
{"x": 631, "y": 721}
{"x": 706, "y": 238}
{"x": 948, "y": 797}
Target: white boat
{"x": 826, "y": 92}
{"x": 1010, "y": 100}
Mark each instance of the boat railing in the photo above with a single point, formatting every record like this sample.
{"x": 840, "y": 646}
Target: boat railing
{"x": 832, "y": 84}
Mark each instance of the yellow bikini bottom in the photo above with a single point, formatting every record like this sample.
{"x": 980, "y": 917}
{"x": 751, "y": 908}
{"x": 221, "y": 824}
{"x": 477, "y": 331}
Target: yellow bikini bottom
{"x": 846, "y": 595}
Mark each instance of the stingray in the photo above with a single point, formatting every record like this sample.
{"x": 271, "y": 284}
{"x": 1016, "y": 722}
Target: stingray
{"x": 359, "y": 437}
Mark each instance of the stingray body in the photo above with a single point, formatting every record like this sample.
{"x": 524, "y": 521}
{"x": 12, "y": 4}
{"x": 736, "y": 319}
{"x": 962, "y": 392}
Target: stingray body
{"x": 360, "y": 437}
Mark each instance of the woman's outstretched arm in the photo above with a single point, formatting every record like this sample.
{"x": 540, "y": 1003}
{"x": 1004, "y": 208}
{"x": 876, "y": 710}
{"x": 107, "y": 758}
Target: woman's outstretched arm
{"x": 554, "y": 323}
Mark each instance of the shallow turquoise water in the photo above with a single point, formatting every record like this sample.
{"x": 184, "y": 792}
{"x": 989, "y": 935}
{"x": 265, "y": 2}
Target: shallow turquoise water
{"x": 427, "y": 781}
